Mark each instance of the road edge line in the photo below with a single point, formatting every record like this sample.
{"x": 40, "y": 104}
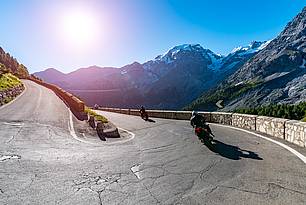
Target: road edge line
{"x": 72, "y": 131}
{"x": 123, "y": 141}
{"x": 73, "y": 134}
{"x": 293, "y": 151}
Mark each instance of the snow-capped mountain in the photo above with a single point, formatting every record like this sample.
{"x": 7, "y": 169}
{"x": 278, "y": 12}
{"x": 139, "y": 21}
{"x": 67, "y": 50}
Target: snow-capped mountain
{"x": 169, "y": 81}
{"x": 178, "y": 51}
{"x": 276, "y": 74}
{"x": 253, "y": 47}
{"x": 239, "y": 55}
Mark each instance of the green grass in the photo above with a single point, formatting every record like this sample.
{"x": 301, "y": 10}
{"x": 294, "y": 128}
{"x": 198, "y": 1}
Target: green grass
{"x": 8, "y": 80}
{"x": 96, "y": 115}
{"x": 304, "y": 119}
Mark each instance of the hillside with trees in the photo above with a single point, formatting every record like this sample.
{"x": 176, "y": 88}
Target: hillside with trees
{"x": 295, "y": 112}
{"x": 9, "y": 64}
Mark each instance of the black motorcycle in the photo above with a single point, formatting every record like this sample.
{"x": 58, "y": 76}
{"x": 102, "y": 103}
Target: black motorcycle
{"x": 144, "y": 115}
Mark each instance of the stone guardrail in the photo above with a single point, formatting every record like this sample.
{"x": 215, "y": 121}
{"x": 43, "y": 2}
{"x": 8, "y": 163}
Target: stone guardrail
{"x": 76, "y": 106}
{"x": 290, "y": 130}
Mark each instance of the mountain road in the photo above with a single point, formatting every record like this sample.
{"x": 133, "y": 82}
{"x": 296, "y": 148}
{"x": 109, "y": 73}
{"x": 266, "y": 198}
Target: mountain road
{"x": 164, "y": 163}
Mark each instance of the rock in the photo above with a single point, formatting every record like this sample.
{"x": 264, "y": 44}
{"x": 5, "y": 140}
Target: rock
{"x": 10, "y": 93}
{"x": 92, "y": 122}
{"x": 112, "y": 133}
{"x": 100, "y": 131}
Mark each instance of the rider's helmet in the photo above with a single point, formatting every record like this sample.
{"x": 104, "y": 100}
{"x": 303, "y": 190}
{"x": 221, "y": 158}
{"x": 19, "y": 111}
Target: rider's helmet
{"x": 194, "y": 113}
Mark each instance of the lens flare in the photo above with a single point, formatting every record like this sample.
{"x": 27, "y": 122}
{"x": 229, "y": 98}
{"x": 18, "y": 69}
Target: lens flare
{"x": 79, "y": 28}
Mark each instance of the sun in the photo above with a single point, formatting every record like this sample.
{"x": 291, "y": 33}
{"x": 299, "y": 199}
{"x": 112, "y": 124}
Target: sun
{"x": 79, "y": 28}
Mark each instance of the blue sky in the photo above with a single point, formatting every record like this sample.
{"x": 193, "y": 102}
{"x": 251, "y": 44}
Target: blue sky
{"x": 120, "y": 32}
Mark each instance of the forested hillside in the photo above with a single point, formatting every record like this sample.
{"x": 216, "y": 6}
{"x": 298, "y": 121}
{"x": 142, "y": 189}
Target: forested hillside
{"x": 9, "y": 64}
{"x": 296, "y": 112}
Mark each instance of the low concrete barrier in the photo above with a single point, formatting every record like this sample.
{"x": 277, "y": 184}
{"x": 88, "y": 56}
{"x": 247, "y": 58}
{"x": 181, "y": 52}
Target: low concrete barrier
{"x": 291, "y": 130}
{"x": 76, "y": 105}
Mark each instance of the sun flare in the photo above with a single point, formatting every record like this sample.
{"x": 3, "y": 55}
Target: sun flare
{"x": 79, "y": 28}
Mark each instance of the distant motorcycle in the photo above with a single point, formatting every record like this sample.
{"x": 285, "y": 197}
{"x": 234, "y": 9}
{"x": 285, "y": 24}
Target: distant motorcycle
{"x": 204, "y": 135}
{"x": 144, "y": 115}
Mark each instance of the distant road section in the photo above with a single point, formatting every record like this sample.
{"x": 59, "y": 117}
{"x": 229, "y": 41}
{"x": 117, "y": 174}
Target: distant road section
{"x": 38, "y": 104}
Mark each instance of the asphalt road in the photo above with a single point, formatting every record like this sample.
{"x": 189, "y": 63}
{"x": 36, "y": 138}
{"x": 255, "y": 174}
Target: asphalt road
{"x": 41, "y": 163}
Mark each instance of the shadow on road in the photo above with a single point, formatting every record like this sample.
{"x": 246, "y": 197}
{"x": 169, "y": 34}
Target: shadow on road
{"x": 232, "y": 152}
{"x": 150, "y": 120}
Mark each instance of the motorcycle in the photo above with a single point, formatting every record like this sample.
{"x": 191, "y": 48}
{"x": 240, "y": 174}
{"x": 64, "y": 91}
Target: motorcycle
{"x": 144, "y": 116}
{"x": 204, "y": 135}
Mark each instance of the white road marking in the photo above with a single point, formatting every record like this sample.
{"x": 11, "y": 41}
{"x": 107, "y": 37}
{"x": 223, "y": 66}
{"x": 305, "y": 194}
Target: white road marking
{"x": 135, "y": 170}
{"x": 293, "y": 151}
{"x": 73, "y": 134}
{"x": 21, "y": 94}
{"x": 39, "y": 99}
{"x": 13, "y": 124}
{"x": 123, "y": 141}
{"x": 5, "y": 157}
{"x": 72, "y": 131}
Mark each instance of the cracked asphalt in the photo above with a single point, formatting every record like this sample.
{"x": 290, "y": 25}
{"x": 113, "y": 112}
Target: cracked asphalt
{"x": 164, "y": 164}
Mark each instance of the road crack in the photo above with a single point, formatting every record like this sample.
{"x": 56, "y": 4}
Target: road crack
{"x": 154, "y": 148}
{"x": 97, "y": 184}
{"x": 243, "y": 190}
{"x": 271, "y": 184}
{"x": 151, "y": 194}
{"x": 13, "y": 137}
{"x": 208, "y": 168}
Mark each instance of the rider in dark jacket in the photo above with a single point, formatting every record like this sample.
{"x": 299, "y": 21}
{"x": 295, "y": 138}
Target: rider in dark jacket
{"x": 142, "y": 110}
{"x": 143, "y": 113}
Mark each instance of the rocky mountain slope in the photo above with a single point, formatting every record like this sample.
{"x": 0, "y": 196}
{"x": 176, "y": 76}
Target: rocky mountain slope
{"x": 169, "y": 81}
{"x": 276, "y": 74}
{"x": 10, "y": 70}
{"x": 9, "y": 64}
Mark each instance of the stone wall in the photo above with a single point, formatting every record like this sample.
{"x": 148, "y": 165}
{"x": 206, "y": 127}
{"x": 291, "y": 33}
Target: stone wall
{"x": 221, "y": 117}
{"x": 271, "y": 126}
{"x": 244, "y": 121}
{"x": 290, "y": 130}
{"x": 295, "y": 132}
{"x": 9, "y": 94}
{"x": 206, "y": 115}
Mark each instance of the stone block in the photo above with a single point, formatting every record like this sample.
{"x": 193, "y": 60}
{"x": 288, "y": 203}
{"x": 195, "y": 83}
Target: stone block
{"x": 221, "y": 117}
{"x": 244, "y": 121}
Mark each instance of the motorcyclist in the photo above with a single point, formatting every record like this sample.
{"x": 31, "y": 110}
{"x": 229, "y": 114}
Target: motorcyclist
{"x": 198, "y": 120}
{"x": 142, "y": 110}
{"x": 143, "y": 113}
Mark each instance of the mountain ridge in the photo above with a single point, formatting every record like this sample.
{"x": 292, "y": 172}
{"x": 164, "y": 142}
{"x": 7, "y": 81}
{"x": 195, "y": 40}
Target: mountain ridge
{"x": 276, "y": 74}
{"x": 184, "y": 71}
